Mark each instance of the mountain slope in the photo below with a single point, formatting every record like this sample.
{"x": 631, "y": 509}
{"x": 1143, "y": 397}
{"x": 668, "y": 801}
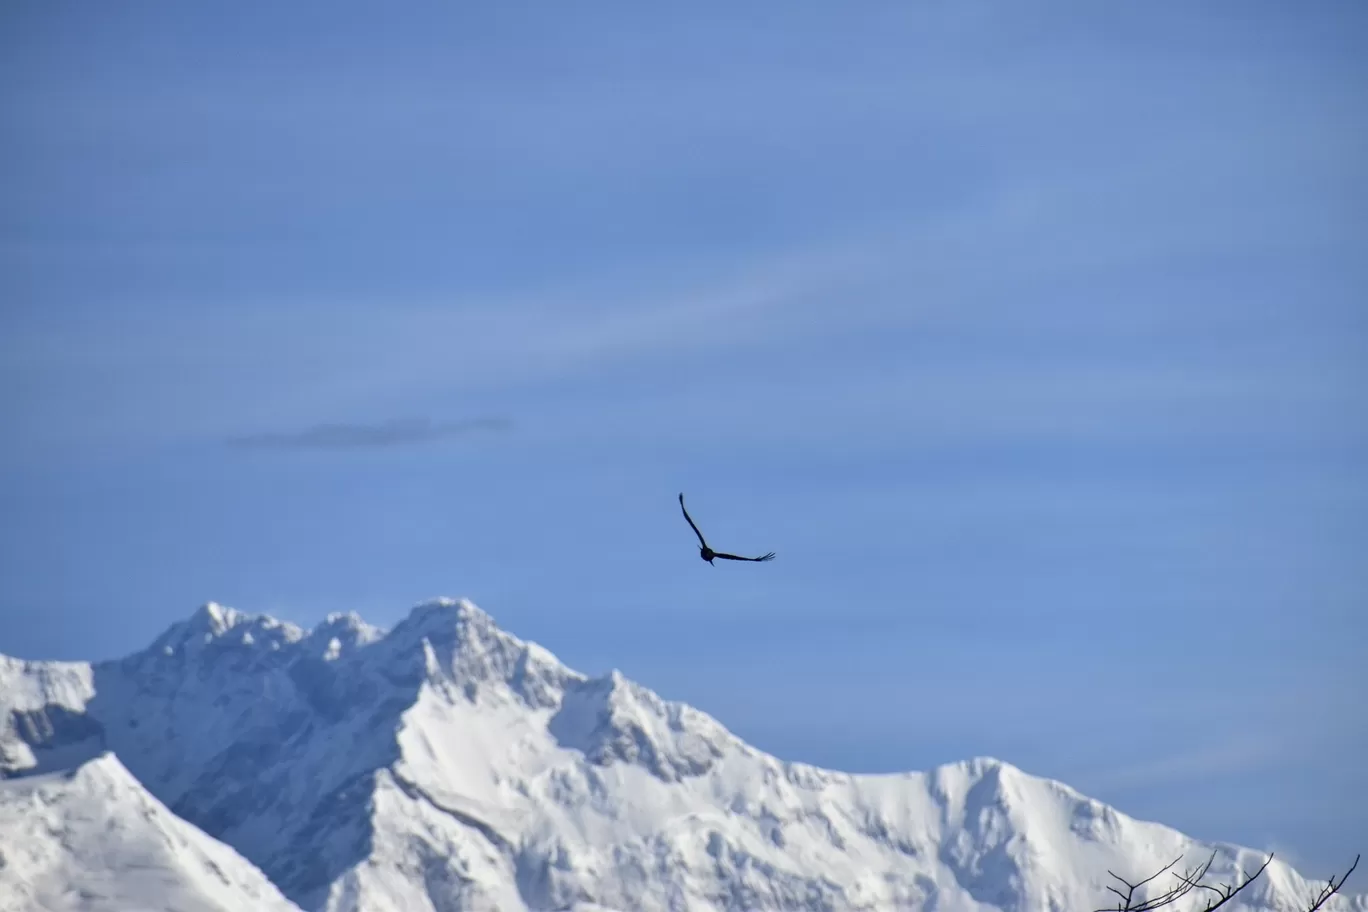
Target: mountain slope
{"x": 93, "y": 839}
{"x": 447, "y": 765}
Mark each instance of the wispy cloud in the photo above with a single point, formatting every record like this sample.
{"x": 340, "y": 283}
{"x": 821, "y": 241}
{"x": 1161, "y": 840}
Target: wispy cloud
{"x": 396, "y": 432}
{"x": 1197, "y": 763}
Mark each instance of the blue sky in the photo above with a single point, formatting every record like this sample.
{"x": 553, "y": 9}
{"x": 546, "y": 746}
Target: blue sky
{"x": 1031, "y": 337}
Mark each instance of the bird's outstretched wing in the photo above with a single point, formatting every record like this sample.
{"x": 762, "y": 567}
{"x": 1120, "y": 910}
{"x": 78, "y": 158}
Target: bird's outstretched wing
{"x": 767, "y": 557}
{"x": 691, "y": 522}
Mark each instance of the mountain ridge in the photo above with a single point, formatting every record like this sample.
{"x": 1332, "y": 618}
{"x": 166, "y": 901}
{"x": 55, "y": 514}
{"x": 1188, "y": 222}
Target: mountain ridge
{"x": 164, "y": 860}
{"x": 446, "y": 764}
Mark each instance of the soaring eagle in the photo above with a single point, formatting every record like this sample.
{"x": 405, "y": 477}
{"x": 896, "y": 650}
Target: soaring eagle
{"x": 708, "y": 553}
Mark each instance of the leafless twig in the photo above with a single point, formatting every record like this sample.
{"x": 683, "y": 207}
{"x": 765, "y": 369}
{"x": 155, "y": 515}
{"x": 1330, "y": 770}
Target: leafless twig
{"x": 1186, "y": 882}
{"x": 1191, "y": 880}
{"x": 1225, "y": 893}
{"x": 1332, "y": 888}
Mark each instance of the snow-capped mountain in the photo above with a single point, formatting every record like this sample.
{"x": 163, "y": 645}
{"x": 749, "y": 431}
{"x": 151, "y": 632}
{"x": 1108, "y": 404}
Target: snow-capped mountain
{"x": 93, "y": 839}
{"x": 447, "y": 765}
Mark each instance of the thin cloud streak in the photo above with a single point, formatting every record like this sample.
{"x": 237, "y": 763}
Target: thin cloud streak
{"x": 395, "y": 432}
{"x": 1196, "y": 764}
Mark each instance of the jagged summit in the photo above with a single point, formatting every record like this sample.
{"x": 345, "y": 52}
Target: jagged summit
{"x": 214, "y": 623}
{"x": 341, "y": 633}
{"x": 447, "y": 765}
{"x": 213, "y": 620}
{"x": 449, "y": 620}
{"x": 349, "y": 624}
{"x": 461, "y": 609}
{"x": 219, "y": 617}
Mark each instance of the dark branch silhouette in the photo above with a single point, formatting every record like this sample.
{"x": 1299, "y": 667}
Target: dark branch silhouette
{"x": 708, "y": 553}
{"x": 1191, "y": 880}
{"x": 1186, "y": 881}
{"x": 1331, "y": 888}
{"x": 1225, "y": 893}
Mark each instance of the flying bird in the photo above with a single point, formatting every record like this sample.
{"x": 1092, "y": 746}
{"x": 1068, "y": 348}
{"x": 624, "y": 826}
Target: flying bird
{"x": 708, "y": 553}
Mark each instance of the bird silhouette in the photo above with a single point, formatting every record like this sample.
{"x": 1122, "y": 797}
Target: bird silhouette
{"x": 708, "y": 553}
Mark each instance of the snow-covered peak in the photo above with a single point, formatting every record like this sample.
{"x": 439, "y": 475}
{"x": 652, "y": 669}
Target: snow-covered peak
{"x": 452, "y": 627}
{"x": 440, "y": 617}
{"x": 213, "y": 624}
{"x": 339, "y": 634}
{"x": 218, "y": 617}
{"x": 92, "y": 838}
{"x": 350, "y": 625}
{"x": 448, "y": 765}
{"x": 453, "y": 644}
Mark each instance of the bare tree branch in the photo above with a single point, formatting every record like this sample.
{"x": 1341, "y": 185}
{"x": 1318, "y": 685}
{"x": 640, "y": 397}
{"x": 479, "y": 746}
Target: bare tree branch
{"x": 1186, "y": 882}
{"x": 1191, "y": 880}
{"x": 1332, "y": 888}
{"x": 1226, "y": 893}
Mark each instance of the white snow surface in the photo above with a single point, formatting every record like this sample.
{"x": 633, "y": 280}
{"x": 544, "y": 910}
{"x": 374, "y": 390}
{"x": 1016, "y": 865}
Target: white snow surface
{"x": 447, "y": 765}
{"x": 93, "y": 839}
